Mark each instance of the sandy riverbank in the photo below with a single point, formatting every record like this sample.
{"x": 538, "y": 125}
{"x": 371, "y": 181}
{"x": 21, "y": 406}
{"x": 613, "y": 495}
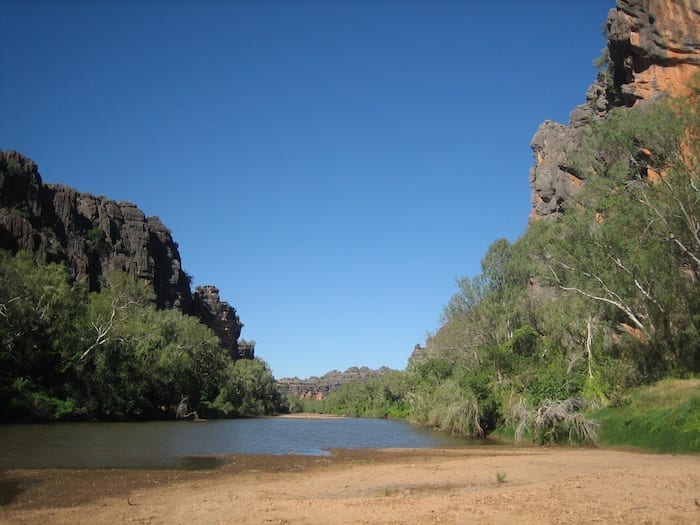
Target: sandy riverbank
{"x": 542, "y": 485}
{"x": 309, "y": 415}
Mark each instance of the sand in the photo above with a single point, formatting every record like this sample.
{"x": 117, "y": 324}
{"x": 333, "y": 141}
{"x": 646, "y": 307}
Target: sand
{"x": 542, "y": 485}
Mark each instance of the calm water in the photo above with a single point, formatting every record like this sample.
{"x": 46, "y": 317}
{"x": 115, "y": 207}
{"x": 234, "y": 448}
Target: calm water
{"x": 181, "y": 444}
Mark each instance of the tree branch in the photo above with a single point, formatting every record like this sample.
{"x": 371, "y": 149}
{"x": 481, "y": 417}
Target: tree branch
{"x": 615, "y": 301}
{"x": 103, "y": 330}
{"x": 3, "y": 306}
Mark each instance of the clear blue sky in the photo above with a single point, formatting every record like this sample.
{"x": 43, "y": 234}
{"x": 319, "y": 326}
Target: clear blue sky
{"x": 332, "y": 166}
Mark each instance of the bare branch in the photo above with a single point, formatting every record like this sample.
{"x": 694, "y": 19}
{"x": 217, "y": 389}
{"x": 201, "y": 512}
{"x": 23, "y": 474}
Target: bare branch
{"x": 103, "y": 330}
{"x": 646, "y": 293}
{"x": 690, "y": 220}
{"x": 3, "y": 306}
{"x": 614, "y": 299}
{"x": 589, "y": 345}
{"x": 182, "y": 411}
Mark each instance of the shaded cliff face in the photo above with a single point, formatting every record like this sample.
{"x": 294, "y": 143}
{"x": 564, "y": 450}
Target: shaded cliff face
{"x": 223, "y": 319}
{"x": 654, "y": 48}
{"x": 96, "y": 235}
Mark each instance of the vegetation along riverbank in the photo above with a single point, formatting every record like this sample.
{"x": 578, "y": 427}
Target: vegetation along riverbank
{"x": 583, "y": 330}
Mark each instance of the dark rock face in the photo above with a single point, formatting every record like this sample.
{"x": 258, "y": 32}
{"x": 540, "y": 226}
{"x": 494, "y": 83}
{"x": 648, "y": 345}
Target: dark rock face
{"x": 222, "y": 318}
{"x": 96, "y": 235}
{"x": 654, "y": 48}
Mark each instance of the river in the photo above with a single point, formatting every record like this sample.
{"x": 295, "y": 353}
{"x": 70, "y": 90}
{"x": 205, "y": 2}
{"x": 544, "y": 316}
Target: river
{"x": 186, "y": 444}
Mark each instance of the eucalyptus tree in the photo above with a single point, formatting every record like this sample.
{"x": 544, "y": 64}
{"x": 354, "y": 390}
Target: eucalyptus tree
{"x": 629, "y": 241}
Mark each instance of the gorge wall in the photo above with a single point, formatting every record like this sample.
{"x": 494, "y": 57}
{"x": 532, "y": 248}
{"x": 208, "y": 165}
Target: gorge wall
{"x": 653, "y": 47}
{"x": 94, "y": 235}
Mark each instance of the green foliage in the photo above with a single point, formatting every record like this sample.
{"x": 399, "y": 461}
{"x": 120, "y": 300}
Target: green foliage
{"x": 298, "y": 405}
{"x": 631, "y": 245}
{"x": 41, "y": 323}
{"x": 13, "y": 167}
{"x": 593, "y": 392}
{"x": 664, "y": 418}
{"x": 585, "y": 306}
{"x": 67, "y": 354}
{"x": 95, "y": 243}
{"x": 381, "y": 397}
{"x": 578, "y": 311}
{"x": 553, "y": 381}
{"x": 248, "y": 390}
{"x": 29, "y": 398}
{"x": 602, "y": 60}
{"x": 441, "y": 395}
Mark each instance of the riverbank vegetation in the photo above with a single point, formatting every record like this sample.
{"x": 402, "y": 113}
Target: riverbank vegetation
{"x": 551, "y": 340}
{"x": 664, "y": 417}
{"x": 67, "y": 354}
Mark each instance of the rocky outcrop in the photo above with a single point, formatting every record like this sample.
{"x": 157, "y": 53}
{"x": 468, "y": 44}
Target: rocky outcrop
{"x": 554, "y": 178}
{"x": 320, "y": 387}
{"x": 653, "y": 48}
{"x": 222, "y": 318}
{"x": 95, "y": 235}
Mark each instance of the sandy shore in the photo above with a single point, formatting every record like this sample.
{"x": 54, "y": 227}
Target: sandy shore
{"x": 542, "y": 485}
{"x": 308, "y": 415}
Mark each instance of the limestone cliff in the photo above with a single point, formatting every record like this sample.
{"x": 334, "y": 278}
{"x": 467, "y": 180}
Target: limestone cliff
{"x": 95, "y": 235}
{"x": 653, "y": 48}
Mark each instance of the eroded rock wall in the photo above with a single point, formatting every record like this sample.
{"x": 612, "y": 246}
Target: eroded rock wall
{"x": 223, "y": 319}
{"x": 653, "y": 48}
{"x": 95, "y": 235}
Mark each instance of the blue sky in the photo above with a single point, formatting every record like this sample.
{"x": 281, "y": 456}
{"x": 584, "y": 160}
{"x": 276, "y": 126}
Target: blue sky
{"x": 332, "y": 166}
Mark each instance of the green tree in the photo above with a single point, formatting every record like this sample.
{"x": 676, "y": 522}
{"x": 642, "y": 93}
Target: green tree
{"x": 40, "y": 323}
{"x": 629, "y": 241}
{"x": 248, "y": 390}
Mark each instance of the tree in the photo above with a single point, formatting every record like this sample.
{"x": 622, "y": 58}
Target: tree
{"x": 629, "y": 240}
{"x": 248, "y": 389}
{"x": 65, "y": 353}
{"x": 40, "y": 323}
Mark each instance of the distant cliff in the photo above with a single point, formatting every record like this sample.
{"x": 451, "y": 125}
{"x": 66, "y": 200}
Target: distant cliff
{"x": 320, "y": 387}
{"x": 653, "y": 47}
{"x": 95, "y": 235}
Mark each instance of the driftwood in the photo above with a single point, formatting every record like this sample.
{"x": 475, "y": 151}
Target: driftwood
{"x": 182, "y": 411}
